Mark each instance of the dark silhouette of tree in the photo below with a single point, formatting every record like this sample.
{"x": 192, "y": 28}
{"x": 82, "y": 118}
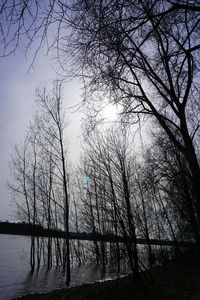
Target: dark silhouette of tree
{"x": 147, "y": 60}
{"x": 109, "y": 197}
{"x": 40, "y": 176}
{"x": 143, "y": 54}
{"x": 53, "y": 125}
{"x": 173, "y": 180}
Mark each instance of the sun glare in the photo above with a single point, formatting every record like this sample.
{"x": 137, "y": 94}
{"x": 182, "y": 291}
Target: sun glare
{"x": 110, "y": 112}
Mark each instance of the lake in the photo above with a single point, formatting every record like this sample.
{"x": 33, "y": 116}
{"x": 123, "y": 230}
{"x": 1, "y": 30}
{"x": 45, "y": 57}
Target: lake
{"x": 16, "y": 279}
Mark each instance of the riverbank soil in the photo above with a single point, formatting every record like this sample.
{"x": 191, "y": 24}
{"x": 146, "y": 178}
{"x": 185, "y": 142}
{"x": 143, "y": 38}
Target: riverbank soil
{"x": 172, "y": 281}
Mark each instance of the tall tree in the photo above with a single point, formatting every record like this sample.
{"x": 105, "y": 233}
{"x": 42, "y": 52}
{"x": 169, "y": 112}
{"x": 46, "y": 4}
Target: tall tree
{"x": 108, "y": 159}
{"x": 52, "y": 125}
{"x": 40, "y": 172}
{"x": 143, "y": 54}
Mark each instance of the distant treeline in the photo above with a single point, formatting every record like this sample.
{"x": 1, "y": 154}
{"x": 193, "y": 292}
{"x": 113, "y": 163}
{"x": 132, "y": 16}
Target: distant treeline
{"x": 29, "y": 229}
{"x": 22, "y": 228}
{"x": 38, "y": 230}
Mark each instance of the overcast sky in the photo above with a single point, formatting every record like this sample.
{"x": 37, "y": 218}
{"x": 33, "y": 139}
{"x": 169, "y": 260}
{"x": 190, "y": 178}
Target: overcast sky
{"x": 17, "y": 88}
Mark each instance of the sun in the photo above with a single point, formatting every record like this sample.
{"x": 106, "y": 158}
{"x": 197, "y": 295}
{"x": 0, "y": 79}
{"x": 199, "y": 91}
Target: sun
{"x": 110, "y": 112}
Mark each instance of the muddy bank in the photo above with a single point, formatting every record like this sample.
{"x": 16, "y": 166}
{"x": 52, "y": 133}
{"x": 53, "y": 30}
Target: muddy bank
{"x": 172, "y": 281}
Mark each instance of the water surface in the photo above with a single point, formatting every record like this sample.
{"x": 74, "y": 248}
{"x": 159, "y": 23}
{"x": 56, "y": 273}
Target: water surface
{"x": 16, "y": 279}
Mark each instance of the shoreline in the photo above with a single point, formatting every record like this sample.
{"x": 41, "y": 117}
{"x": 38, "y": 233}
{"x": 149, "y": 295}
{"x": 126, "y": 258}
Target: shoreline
{"x": 178, "y": 280}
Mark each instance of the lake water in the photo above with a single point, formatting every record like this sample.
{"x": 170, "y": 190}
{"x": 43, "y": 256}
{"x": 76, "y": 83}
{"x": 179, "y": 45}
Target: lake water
{"x": 16, "y": 279}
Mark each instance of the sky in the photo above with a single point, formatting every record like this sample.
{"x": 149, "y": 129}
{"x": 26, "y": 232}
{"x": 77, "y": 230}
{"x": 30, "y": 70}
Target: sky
{"x": 17, "y": 106}
{"x": 17, "y": 88}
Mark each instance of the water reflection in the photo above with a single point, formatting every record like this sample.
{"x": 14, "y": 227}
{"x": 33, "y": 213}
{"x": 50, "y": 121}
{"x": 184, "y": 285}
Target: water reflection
{"x": 47, "y": 280}
{"x": 16, "y": 279}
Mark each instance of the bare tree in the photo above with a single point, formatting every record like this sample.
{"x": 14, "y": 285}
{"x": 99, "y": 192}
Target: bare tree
{"x": 21, "y": 185}
{"x": 143, "y": 54}
{"x": 172, "y": 177}
{"x": 52, "y": 125}
{"x": 40, "y": 175}
{"x": 109, "y": 166}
